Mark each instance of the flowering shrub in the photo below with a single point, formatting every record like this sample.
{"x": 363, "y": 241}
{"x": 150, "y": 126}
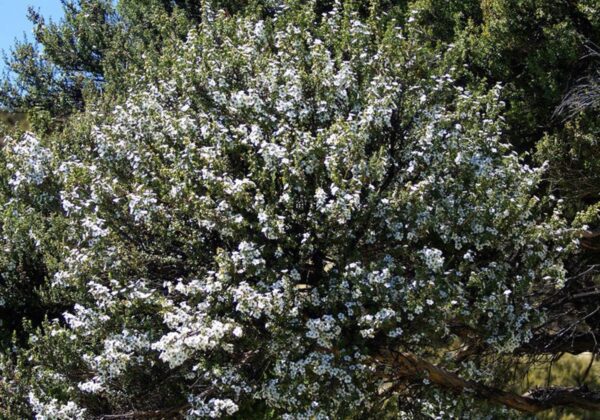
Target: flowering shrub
{"x": 273, "y": 208}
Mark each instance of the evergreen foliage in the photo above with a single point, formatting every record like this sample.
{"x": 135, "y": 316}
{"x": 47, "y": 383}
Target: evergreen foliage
{"x": 290, "y": 209}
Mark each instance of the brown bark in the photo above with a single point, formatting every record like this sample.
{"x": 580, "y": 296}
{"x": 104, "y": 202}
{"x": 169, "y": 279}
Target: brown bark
{"x": 169, "y": 413}
{"x": 413, "y": 367}
{"x": 551, "y": 344}
{"x": 590, "y": 234}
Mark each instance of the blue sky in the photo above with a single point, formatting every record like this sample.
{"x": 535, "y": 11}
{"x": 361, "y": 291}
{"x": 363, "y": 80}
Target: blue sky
{"x": 13, "y": 19}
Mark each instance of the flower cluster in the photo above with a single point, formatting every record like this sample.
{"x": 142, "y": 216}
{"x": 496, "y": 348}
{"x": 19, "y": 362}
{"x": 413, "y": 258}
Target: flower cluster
{"x": 28, "y": 160}
{"x": 273, "y": 206}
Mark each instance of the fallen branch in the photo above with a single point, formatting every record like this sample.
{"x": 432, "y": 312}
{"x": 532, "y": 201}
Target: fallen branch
{"x": 169, "y": 413}
{"x": 578, "y": 343}
{"x": 413, "y": 367}
{"x": 590, "y": 234}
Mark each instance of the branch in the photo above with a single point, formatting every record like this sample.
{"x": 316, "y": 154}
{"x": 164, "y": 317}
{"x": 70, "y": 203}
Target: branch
{"x": 413, "y": 367}
{"x": 590, "y": 234}
{"x": 170, "y": 413}
{"x": 559, "y": 343}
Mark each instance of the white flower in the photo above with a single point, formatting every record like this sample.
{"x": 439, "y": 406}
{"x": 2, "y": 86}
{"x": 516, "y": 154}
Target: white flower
{"x": 238, "y": 332}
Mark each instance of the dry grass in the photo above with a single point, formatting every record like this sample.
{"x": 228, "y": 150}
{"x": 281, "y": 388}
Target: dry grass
{"x": 11, "y": 120}
{"x": 570, "y": 371}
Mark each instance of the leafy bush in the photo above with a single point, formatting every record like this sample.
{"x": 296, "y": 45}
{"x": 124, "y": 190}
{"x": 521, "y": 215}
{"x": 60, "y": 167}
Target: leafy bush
{"x": 284, "y": 213}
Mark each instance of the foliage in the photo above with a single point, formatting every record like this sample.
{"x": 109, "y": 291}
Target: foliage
{"x": 13, "y": 120}
{"x": 254, "y": 209}
{"x": 91, "y": 49}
